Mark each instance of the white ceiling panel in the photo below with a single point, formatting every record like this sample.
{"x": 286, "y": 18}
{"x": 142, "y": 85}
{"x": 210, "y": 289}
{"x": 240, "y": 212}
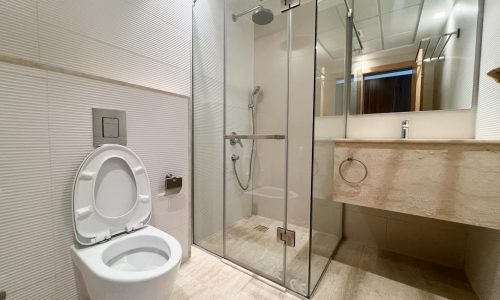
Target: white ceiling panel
{"x": 392, "y": 5}
{"x": 369, "y": 29}
{"x": 342, "y": 12}
{"x": 365, "y": 9}
{"x": 329, "y": 19}
{"x": 400, "y": 21}
{"x": 372, "y": 45}
{"x": 430, "y": 25}
{"x": 326, "y": 4}
{"x": 332, "y": 39}
{"x": 398, "y": 40}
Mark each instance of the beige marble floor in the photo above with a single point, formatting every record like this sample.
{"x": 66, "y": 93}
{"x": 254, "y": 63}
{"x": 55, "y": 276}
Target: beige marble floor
{"x": 418, "y": 279}
{"x": 260, "y": 250}
{"x": 358, "y": 272}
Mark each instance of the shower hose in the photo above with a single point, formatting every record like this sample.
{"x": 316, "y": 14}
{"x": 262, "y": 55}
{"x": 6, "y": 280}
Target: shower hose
{"x": 251, "y": 161}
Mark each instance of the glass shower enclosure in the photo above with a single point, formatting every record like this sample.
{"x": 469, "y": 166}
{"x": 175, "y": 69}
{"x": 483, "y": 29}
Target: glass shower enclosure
{"x": 261, "y": 175}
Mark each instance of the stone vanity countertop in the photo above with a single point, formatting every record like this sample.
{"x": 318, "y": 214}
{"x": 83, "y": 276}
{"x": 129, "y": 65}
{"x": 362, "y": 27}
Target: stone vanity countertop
{"x": 415, "y": 141}
{"x": 452, "y": 180}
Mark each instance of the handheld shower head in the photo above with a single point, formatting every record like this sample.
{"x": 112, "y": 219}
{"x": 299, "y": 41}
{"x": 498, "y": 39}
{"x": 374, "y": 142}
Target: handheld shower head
{"x": 256, "y": 91}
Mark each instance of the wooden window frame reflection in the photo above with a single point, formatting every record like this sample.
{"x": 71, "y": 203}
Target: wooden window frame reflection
{"x": 417, "y": 81}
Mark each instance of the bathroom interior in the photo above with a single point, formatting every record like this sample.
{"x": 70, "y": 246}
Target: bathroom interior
{"x": 250, "y": 149}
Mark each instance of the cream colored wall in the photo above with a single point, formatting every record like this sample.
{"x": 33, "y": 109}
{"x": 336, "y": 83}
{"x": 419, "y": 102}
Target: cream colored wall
{"x": 141, "y": 42}
{"x": 481, "y": 246}
{"x": 380, "y": 228}
{"x": 271, "y": 74}
{"x": 482, "y": 258}
{"x": 457, "y": 70}
{"x": 46, "y": 126}
{"x": 482, "y": 262}
{"x": 208, "y": 125}
{"x": 239, "y": 85}
{"x": 449, "y": 124}
{"x": 394, "y": 231}
{"x": 432, "y": 240}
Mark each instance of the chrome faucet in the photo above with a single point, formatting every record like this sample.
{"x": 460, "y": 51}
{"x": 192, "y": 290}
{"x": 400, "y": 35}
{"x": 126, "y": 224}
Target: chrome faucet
{"x": 405, "y": 129}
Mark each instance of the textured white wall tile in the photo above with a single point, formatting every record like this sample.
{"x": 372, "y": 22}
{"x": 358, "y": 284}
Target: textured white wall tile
{"x": 156, "y": 127}
{"x": 46, "y": 132}
{"x": 45, "y": 126}
{"x": 76, "y": 52}
{"x": 141, "y": 42}
{"x": 174, "y": 12}
{"x": 18, "y": 28}
{"x": 123, "y": 25}
{"x": 208, "y": 116}
{"x": 26, "y": 216}
{"x": 42, "y": 290}
{"x": 488, "y": 112}
{"x": 482, "y": 262}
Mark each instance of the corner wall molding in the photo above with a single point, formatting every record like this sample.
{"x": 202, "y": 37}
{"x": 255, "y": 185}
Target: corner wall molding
{"x": 61, "y": 70}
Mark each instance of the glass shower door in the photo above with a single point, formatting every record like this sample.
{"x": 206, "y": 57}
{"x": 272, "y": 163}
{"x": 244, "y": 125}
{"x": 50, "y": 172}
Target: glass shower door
{"x": 256, "y": 99}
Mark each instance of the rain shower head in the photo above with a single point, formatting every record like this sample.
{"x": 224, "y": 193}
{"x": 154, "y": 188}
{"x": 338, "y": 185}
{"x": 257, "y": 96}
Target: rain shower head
{"x": 260, "y": 16}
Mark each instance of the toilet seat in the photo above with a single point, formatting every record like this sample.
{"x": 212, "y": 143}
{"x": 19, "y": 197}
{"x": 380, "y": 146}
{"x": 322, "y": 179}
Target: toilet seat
{"x": 111, "y": 194}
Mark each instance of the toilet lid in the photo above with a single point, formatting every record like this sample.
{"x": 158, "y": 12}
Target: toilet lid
{"x": 111, "y": 194}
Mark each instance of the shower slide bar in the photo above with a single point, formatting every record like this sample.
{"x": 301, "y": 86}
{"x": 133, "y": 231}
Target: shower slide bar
{"x": 255, "y": 136}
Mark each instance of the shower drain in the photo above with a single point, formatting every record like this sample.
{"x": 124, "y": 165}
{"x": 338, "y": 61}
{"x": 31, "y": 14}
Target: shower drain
{"x": 261, "y": 228}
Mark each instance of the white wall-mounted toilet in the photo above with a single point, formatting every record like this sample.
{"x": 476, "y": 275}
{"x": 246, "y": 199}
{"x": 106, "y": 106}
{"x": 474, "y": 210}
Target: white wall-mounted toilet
{"x": 119, "y": 256}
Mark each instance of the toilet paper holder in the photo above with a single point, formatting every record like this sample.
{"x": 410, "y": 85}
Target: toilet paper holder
{"x": 173, "y": 184}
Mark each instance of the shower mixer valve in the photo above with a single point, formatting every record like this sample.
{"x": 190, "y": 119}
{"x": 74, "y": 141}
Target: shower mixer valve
{"x": 233, "y": 141}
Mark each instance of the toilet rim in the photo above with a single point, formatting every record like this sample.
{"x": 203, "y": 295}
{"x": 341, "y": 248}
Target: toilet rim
{"x": 94, "y": 256}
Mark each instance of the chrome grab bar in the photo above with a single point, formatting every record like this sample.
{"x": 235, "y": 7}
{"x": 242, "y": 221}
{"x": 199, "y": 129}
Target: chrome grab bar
{"x": 255, "y": 136}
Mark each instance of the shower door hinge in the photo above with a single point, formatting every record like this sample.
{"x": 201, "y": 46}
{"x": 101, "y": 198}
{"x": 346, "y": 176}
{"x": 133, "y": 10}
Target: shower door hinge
{"x": 289, "y": 4}
{"x": 287, "y": 236}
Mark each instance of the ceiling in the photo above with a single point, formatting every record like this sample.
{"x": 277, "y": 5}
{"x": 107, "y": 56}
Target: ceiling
{"x": 381, "y": 24}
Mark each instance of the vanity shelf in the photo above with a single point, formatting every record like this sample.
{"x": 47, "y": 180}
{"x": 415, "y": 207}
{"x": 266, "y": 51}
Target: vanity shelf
{"x": 452, "y": 180}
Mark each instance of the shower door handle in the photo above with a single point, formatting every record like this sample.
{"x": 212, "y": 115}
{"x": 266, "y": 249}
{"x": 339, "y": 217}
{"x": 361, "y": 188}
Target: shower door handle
{"x": 255, "y": 136}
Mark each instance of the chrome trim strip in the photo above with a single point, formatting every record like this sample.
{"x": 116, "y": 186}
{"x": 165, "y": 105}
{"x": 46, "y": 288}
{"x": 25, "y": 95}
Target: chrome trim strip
{"x": 255, "y": 136}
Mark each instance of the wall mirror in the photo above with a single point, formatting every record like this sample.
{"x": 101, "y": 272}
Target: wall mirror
{"x": 416, "y": 55}
{"x": 408, "y": 56}
{"x": 330, "y": 57}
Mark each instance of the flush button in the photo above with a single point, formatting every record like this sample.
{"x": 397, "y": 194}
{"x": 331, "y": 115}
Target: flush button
{"x": 110, "y": 127}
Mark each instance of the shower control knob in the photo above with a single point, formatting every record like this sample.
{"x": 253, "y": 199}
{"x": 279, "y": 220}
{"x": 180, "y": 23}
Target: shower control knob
{"x": 233, "y": 141}
{"x": 234, "y": 157}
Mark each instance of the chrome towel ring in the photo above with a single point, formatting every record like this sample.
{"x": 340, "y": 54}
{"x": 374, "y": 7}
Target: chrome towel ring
{"x": 350, "y": 159}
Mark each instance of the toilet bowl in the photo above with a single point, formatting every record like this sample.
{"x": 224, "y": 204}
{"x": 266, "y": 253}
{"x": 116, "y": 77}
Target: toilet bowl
{"x": 117, "y": 254}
